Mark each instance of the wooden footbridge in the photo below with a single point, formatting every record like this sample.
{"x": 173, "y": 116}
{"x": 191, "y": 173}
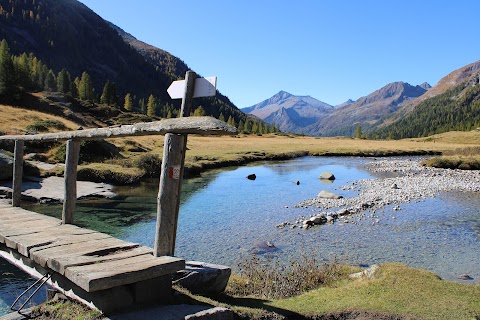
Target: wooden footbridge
{"x": 99, "y": 270}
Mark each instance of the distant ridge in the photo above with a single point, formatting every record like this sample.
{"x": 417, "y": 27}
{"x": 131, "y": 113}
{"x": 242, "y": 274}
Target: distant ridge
{"x": 292, "y": 113}
{"x": 366, "y": 111}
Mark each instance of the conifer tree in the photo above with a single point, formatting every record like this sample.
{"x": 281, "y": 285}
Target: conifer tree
{"x": 85, "y": 87}
{"x": 221, "y": 117}
{"x": 255, "y": 127}
{"x": 248, "y": 126}
{"x": 272, "y": 128}
{"x": 128, "y": 103}
{"x": 63, "y": 81}
{"x": 151, "y": 106}
{"x": 50, "y": 81}
{"x": 231, "y": 121}
{"x": 199, "y": 112}
{"x": 7, "y": 73}
{"x": 241, "y": 126}
{"x": 358, "y": 132}
{"x": 22, "y": 70}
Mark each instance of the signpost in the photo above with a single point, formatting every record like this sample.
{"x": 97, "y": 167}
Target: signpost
{"x": 168, "y": 200}
{"x": 204, "y": 87}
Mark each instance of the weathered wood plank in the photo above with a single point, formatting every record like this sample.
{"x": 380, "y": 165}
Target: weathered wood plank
{"x": 191, "y": 125}
{"x": 110, "y": 274}
{"x": 43, "y": 231}
{"x": 61, "y": 263}
{"x": 94, "y": 245}
{"x": 70, "y": 196}
{"x": 17, "y": 173}
{"x": 24, "y": 243}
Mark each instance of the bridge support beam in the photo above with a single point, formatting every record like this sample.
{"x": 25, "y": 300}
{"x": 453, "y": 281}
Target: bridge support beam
{"x": 70, "y": 198}
{"x": 17, "y": 173}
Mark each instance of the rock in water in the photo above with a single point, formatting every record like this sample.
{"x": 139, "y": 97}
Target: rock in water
{"x": 6, "y": 166}
{"x": 324, "y": 194}
{"x": 327, "y": 176}
{"x": 252, "y": 176}
{"x": 464, "y": 277}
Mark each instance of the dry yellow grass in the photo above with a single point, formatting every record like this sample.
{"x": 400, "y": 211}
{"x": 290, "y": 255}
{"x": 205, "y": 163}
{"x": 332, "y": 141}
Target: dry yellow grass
{"x": 230, "y": 148}
{"x": 15, "y": 120}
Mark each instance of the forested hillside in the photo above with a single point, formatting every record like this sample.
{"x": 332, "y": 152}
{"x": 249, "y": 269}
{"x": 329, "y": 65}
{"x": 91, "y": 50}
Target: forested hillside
{"x": 456, "y": 109}
{"x": 52, "y": 36}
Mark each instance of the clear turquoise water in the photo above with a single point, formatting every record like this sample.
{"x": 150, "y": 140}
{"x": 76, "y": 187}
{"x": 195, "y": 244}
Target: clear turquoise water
{"x": 225, "y": 217}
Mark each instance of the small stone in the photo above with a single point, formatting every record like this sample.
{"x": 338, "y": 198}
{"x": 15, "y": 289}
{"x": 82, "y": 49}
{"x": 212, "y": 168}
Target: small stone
{"x": 327, "y": 176}
{"x": 252, "y": 176}
{"x": 328, "y": 195}
{"x": 394, "y": 186}
{"x": 464, "y": 277}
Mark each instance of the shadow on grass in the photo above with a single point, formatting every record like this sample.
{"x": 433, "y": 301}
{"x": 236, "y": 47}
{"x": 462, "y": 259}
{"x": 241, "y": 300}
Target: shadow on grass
{"x": 257, "y": 304}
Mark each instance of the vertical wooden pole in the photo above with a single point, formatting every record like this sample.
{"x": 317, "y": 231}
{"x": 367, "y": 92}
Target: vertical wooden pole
{"x": 70, "y": 195}
{"x": 17, "y": 173}
{"x": 168, "y": 200}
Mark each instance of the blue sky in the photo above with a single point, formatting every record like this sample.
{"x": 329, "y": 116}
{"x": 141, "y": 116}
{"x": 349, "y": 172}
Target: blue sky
{"x": 331, "y": 50}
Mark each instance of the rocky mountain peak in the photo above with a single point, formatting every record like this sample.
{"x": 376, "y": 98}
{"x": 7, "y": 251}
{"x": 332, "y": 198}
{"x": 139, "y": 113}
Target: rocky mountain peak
{"x": 425, "y": 86}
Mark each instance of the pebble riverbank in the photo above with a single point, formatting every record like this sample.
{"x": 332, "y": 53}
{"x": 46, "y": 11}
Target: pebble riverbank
{"x": 400, "y": 181}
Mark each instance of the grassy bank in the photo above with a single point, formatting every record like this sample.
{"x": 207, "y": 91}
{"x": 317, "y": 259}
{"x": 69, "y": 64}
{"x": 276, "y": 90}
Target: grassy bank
{"x": 141, "y": 156}
{"x": 395, "y": 292}
{"x": 206, "y": 153}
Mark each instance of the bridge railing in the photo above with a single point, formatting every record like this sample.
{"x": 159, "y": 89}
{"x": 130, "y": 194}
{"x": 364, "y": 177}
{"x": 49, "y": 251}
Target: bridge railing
{"x": 167, "y": 200}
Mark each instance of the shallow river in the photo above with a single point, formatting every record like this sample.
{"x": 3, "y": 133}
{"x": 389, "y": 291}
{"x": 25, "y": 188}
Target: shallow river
{"x": 225, "y": 217}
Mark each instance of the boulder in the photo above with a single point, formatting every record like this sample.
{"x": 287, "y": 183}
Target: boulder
{"x": 327, "y": 176}
{"x": 6, "y": 166}
{"x": 318, "y": 219}
{"x": 252, "y": 176}
{"x": 324, "y": 194}
{"x": 201, "y": 277}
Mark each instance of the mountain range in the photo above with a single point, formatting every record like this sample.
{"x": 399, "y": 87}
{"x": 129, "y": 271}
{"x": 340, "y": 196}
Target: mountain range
{"x": 291, "y": 113}
{"x": 304, "y": 114}
{"x": 375, "y": 112}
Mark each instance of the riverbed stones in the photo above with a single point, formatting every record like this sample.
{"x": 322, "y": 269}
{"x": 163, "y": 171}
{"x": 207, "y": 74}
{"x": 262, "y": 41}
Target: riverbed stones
{"x": 324, "y": 194}
{"x": 6, "y": 166}
{"x": 327, "y": 176}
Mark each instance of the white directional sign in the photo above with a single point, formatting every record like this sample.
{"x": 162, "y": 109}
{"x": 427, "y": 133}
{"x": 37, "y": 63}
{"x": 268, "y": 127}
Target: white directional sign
{"x": 204, "y": 87}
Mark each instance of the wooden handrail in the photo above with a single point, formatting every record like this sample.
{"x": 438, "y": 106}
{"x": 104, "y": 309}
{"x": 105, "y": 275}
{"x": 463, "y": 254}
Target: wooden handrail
{"x": 189, "y": 125}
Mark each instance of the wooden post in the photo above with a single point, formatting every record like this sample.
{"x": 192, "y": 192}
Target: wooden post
{"x": 70, "y": 195}
{"x": 17, "y": 173}
{"x": 168, "y": 200}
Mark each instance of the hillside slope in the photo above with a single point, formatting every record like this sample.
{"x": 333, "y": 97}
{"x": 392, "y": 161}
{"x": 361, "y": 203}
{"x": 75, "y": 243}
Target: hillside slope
{"x": 366, "y": 111}
{"x": 458, "y": 108}
{"x": 67, "y": 34}
{"x": 175, "y": 68}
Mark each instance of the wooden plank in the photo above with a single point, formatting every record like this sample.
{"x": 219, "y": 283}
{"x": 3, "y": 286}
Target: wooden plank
{"x": 193, "y": 125}
{"x": 61, "y": 263}
{"x": 41, "y": 230}
{"x": 88, "y": 246}
{"x": 24, "y": 243}
{"x": 110, "y": 274}
{"x": 17, "y": 173}
{"x": 70, "y": 197}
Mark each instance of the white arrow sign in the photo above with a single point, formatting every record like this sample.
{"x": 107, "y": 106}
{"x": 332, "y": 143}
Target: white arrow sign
{"x": 204, "y": 87}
